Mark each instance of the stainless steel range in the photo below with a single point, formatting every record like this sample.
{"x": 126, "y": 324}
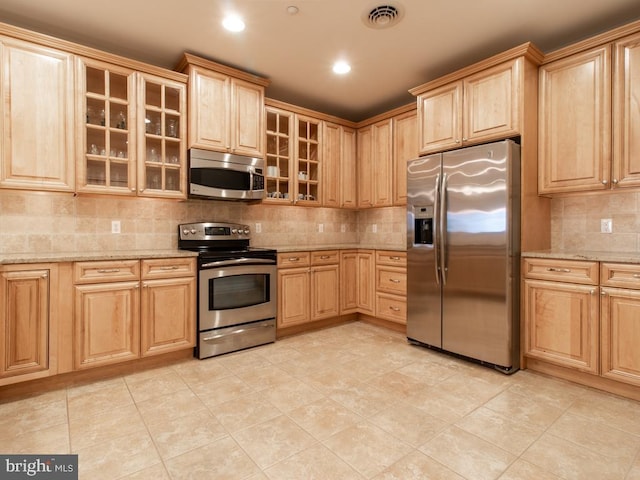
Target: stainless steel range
{"x": 236, "y": 287}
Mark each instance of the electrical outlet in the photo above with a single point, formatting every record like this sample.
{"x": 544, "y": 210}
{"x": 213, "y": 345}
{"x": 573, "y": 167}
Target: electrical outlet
{"x": 374, "y": 228}
{"x": 258, "y": 227}
{"x": 115, "y": 226}
{"x": 606, "y": 225}
{"x": 321, "y": 227}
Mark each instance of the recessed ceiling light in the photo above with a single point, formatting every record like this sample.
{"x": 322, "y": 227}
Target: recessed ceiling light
{"x": 341, "y": 67}
{"x": 233, "y": 23}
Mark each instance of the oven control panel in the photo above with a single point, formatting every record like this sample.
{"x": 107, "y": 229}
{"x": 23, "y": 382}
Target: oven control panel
{"x": 213, "y": 231}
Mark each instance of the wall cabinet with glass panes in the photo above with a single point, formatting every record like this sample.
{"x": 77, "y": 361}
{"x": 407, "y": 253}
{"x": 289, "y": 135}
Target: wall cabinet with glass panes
{"x": 107, "y": 115}
{"x": 133, "y": 132}
{"x": 307, "y": 159}
{"x": 162, "y": 146}
{"x": 279, "y": 150}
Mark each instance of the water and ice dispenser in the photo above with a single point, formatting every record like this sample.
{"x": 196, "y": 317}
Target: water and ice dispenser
{"x": 423, "y": 230}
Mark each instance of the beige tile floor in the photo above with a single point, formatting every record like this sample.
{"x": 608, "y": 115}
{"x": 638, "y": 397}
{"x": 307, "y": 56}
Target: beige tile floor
{"x": 350, "y": 402}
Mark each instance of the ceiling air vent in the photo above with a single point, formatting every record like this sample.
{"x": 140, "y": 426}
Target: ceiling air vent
{"x": 382, "y": 16}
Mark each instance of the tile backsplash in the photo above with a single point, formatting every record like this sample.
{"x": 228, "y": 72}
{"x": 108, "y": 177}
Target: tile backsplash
{"x": 44, "y": 222}
{"x": 575, "y": 222}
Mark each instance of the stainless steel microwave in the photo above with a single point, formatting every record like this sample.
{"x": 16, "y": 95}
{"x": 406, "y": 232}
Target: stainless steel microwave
{"x": 224, "y": 176}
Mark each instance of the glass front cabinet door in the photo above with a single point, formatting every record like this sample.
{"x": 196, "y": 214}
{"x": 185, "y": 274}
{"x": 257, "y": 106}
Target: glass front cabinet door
{"x": 161, "y": 145}
{"x": 106, "y": 116}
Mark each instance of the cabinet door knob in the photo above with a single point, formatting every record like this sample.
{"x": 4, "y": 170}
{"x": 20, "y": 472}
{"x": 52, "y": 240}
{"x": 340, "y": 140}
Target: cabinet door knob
{"x": 614, "y": 181}
{"x": 604, "y": 182}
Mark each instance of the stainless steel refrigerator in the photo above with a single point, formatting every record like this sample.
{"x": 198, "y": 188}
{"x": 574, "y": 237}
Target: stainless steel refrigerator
{"x": 463, "y": 253}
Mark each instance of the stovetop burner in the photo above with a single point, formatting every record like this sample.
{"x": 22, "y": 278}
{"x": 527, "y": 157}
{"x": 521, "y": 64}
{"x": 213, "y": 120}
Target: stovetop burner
{"x": 219, "y": 240}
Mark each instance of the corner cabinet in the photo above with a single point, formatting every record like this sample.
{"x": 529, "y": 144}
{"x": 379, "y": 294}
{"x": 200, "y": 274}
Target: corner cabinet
{"x": 48, "y": 163}
{"x": 482, "y": 102}
{"x": 226, "y": 107}
{"x": 384, "y": 144}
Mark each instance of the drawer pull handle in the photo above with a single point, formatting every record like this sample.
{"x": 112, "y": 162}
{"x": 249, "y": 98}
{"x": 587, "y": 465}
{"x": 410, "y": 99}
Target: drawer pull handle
{"x": 294, "y": 259}
{"x": 394, "y": 258}
{"x": 636, "y": 275}
{"x": 394, "y": 280}
{"x": 169, "y": 267}
{"x": 561, "y": 270}
{"x": 108, "y": 270}
{"x": 395, "y": 309}
{"x": 324, "y": 257}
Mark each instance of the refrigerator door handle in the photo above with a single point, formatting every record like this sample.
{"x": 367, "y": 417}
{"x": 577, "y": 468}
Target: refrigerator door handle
{"x": 442, "y": 226}
{"x": 436, "y": 241}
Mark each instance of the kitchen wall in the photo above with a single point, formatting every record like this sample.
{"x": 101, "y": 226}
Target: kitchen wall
{"x": 575, "y": 222}
{"x": 37, "y": 222}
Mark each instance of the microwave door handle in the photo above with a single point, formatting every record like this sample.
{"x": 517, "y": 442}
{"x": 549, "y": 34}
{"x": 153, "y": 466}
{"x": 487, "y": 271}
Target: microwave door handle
{"x": 237, "y": 261}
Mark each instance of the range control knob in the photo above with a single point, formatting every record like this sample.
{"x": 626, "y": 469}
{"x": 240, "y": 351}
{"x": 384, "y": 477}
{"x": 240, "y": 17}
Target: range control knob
{"x": 246, "y": 231}
{"x": 185, "y": 231}
{"x": 234, "y": 231}
{"x": 193, "y": 231}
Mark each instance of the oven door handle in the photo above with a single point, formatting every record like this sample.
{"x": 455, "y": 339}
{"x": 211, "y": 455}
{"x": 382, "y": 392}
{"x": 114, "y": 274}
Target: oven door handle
{"x": 236, "y": 332}
{"x": 237, "y": 261}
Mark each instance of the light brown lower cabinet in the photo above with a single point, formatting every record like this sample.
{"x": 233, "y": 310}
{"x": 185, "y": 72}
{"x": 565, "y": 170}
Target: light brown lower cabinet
{"x": 25, "y": 321}
{"x": 584, "y": 316}
{"x": 308, "y": 286}
{"x": 357, "y": 282}
{"x": 391, "y": 286}
{"x": 116, "y": 320}
{"x": 620, "y": 322}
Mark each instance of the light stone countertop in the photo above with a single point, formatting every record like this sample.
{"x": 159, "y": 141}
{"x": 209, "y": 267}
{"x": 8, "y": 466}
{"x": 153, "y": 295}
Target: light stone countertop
{"x": 49, "y": 257}
{"x": 595, "y": 256}
{"x": 15, "y": 258}
{"x": 315, "y": 248}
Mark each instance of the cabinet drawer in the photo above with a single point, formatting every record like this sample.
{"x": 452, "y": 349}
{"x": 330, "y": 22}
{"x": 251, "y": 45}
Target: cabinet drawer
{"x": 571, "y": 271}
{"x": 325, "y": 257}
{"x": 398, "y": 259}
{"x": 168, "y": 268}
{"x": 620, "y": 275}
{"x": 391, "y": 280}
{"x": 106, "y": 271}
{"x": 391, "y": 307}
{"x": 294, "y": 259}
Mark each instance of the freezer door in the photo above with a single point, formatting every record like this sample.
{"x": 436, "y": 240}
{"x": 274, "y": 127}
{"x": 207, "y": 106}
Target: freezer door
{"x": 424, "y": 313}
{"x": 477, "y": 296}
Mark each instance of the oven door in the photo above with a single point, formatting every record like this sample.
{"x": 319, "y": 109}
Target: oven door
{"x": 236, "y": 293}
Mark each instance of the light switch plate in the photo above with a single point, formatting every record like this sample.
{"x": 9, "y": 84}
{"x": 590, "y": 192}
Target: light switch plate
{"x": 606, "y": 225}
{"x": 115, "y": 226}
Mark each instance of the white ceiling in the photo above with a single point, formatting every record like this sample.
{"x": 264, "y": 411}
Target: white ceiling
{"x": 296, "y": 51}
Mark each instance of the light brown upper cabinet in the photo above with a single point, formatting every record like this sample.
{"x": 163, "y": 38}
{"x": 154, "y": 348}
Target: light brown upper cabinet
{"x": 589, "y": 137}
{"x": 106, "y": 119}
{"x": 405, "y": 147}
{"x": 339, "y": 171}
{"x": 482, "y": 102}
{"x": 375, "y": 164}
{"x": 481, "y": 107}
{"x": 575, "y": 122}
{"x": 626, "y": 112}
{"x": 226, "y": 107}
{"x": 36, "y": 117}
